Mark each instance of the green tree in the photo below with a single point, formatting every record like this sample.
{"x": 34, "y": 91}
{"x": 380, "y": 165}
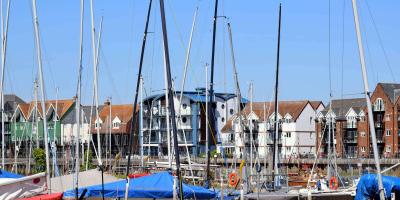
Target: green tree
{"x": 40, "y": 160}
{"x": 88, "y": 158}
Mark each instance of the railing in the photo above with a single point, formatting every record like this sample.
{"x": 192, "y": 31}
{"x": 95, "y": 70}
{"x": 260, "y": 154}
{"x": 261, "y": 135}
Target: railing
{"x": 350, "y": 140}
{"x": 351, "y": 125}
{"x": 379, "y": 139}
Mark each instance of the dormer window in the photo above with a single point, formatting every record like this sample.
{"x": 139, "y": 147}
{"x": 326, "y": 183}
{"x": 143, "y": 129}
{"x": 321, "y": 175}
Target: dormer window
{"x": 98, "y": 123}
{"x": 116, "y": 123}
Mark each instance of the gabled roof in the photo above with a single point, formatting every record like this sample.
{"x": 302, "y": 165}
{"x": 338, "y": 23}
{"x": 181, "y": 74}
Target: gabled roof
{"x": 316, "y": 104}
{"x": 265, "y": 109}
{"x": 62, "y": 107}
{"x": 341, "y": 106}
{"x": 123, "y": 112}
{"x": 389, "y": 90}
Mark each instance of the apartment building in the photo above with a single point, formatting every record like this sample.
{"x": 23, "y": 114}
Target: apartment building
{"x": 351, "y": 128}
{"x": 296, "y": 129}
{"x": 192, "y": 125}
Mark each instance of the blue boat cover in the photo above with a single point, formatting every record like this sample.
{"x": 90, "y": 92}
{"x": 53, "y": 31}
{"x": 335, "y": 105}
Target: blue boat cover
{"x": 156, "y": 186}
{"x": 367, "y": 187}
{"x": 6, "y": 174}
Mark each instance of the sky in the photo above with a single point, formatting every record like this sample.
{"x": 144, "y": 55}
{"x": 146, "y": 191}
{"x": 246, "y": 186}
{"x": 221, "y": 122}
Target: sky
{"x": 318, "y": 47}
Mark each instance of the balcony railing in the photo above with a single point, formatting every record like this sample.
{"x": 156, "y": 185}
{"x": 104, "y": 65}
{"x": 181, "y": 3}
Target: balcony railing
{"x": 350, "y": 140}
{"x": 351, "y": 125}
{"x": 378, "y": 124}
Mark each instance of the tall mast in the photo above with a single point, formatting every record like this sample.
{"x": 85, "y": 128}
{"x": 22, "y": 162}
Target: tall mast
{"x": 141, "y": 123}
{"x": 43, "y": 95}
{"x": 95, "y": 65}
{"x": 36, "y": 114}
{"x": 3, "y": 65}
{"x": 212, "y": 110}
{"x": 275, "y": 169}
{"x": 78, "y": 102}
{"x": 133, "y": 121}
{"x": 251, "y": 132}
{"x": 171, "y": 97}
{"x": 110, "y": 128}
{"x": 167, "y": 117}
{"x": 368, "y": 99}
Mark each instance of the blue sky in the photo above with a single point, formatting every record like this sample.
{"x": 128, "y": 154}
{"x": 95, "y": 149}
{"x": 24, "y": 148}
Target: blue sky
{"x": 304, "y": 47}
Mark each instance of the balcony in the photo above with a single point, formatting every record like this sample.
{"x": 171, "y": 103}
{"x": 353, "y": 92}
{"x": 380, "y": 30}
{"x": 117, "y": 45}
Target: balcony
{"x": 351, "y": 125}
{"x": 378, "y": 124}
{"x": 379, "y": 139}
{"x": 351, "y": 140}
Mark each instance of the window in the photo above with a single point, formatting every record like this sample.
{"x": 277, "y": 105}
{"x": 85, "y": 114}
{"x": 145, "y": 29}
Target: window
{"x": 97, "y": 125}
{"x": 362, "y": 149}
{"x": 184, "y": 106}
{"x": 288, "y": 134}
{"x": 379, "y": 105}
{"x": 223, "y": 119}
{"x": 231, "y": 111}
{"x": 116, "y": 124}
{"x": 388, "y": 149}
{"x": 184, "y": 119}
{"x": 362, "y": 118}
{"x": 223, "y": 106}
{"x": 387, "y": 132}
{"x": 362, "y": 134}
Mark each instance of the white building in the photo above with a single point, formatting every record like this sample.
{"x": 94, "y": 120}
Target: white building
{"x": 192, "y": 123}
{"x": 296, "y": 129}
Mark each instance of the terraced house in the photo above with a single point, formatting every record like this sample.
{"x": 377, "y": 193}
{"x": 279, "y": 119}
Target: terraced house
{"x": 27, "y": 122}
{"x": 351, "y": 128}
{"x": 296, "y": 129}
{"x": 114, "y": 125}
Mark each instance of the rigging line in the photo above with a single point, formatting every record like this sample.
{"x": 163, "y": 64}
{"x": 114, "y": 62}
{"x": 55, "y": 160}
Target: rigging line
{"x": 342, "y": 56}
{"x": 329, "y": 49}
{"x": 380, "y": 40}
{"x": 109, "y": 75}
{"x": 369, "y": 58}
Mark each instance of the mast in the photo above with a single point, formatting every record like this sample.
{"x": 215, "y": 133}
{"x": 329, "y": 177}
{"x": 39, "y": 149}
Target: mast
{"x": 110, "y": 128}
{"x": 4, "y": 34}
{"x": 43, "y": 95}
{"x": 368, "y": 99}
{"x": 141, "y": 123}
{"x": 183, "y": 87}
{"x": 167, "y": 118}
{"x": 78, "y": 102}
{"x": 251, "y": 132}
{"x": 212, "y": 110}
{"x": 133, "y": 121}
{"x": 275, "y": 169}
{"x": 171, "y": 98}
{"x": 36, "y": 113}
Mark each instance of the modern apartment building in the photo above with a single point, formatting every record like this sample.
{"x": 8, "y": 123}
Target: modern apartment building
{"x": 192, "y": 125}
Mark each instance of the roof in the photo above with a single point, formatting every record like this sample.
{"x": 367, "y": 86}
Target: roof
{"x": 196, "y": 96}
{"x": 265, "y": 109}
{"x": 341, "y": 106}
{"x": 62, "y": 107}
{"x": 316, "y": 104}
{"x": 123, "y": 112}
{"x": 70, "y": 118}
{"x": 391, "y": 89}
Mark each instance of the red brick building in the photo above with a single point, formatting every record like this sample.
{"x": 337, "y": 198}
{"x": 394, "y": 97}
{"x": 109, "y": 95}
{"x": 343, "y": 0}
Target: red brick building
{"x": 350, "y": 126}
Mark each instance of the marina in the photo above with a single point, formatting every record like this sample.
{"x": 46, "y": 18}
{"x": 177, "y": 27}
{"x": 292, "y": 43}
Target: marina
{"x": 180, "y": 119}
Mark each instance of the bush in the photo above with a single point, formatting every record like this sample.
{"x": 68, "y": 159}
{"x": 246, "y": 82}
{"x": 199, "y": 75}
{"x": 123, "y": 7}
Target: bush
{"x": 40, "y": 160}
